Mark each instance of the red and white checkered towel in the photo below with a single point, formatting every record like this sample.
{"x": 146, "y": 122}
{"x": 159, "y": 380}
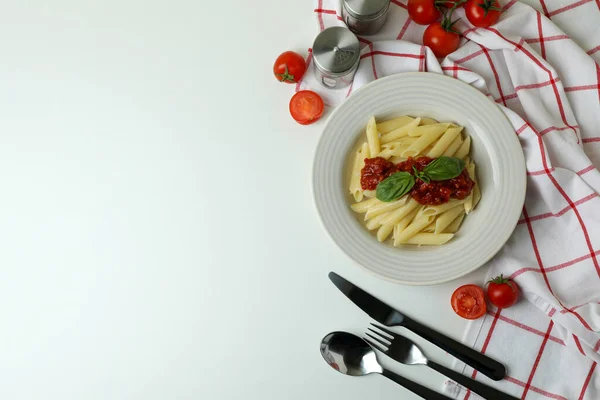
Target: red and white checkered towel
{"x": 540, "y": 65}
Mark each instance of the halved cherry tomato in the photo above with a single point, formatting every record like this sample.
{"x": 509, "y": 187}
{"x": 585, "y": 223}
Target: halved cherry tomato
{"x": 468, "y": 301}
{"x": 502, "y": 292}
{"x": 289, "y": 67}
{"x": 483, "y": 13}
{"x": 423, "y": 12}
{"x": 306, "y": 107}
{"x": 440, "y": 38}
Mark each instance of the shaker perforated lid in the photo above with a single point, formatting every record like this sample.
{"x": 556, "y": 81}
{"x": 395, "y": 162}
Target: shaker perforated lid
{"x": 366, "y": 9}
{"x": 336, "y": 51}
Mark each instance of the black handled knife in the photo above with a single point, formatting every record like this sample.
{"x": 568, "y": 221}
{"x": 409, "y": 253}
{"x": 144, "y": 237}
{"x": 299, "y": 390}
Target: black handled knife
{"x": 386, "y": 315}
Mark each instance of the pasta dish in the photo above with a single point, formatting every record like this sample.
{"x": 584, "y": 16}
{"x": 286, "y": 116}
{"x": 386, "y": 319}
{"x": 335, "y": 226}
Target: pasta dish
{"x": 413, "y": 179}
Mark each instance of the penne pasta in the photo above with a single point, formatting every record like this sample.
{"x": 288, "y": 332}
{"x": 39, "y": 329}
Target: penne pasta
{"x": 395, "y": 149}
{"x": 476, "y": 194}
{"x": 471, "y": 169}
{"x": 415, "y": 227}
{"x": 476, "y": 191}
{"x": 430, "y": 228}
{"x": 395, "y": 233}
{"x": 404, "y": 222}
{"x": 431, "y": 239}
{"x": 376, "y": 222}
{"x": 399, "y": 142}
{"x": 425, "y": 140}
{"x": 392, "y": 124}
{"x": 453, "y": 147}
{"x": 386, "y": 153}
{"x": 400, "y": 132}
{"x": 464, "y": 148}
{"x": 425, "y": 150}
{"x": 373, "y": 137}
{"x": 387, "y": 224}
{"x": 428, "y": 121}
{"x": 454, "y": 225}
{"x": 369, "y": 193}
{"x": 359, "y": 162}
{"x": 401, "y": 212}
{"x": 425, "y": 129}
{"x": 435, "y": 210}
{"x": 469, "y": 203}
{"x": 444, "y": 219}
{"x": 444, "y": 142}
{"x": 363, "y": 206}
{"x": 382, "y": 207}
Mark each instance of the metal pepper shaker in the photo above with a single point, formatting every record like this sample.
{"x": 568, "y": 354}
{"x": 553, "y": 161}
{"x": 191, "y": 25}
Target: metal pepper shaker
{"x": 336, "y": 54}
{"x": 365, "y": 17}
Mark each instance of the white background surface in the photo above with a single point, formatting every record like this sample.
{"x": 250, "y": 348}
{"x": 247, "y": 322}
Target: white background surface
{"x": 158, "y": 238}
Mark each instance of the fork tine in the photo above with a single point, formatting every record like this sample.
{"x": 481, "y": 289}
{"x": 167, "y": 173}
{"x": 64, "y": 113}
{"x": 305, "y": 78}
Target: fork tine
{"x": 387, "y": 340}
{"x": 377, "y": 340}
{"x": 374, "y": 345}
{"x": 381, "y": 328}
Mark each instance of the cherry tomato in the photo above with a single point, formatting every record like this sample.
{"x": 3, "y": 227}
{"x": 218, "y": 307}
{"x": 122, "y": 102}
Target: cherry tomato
{"x": 483, "y": 13}
{"x": 440, "y": 39}
{"x": 468, "y": 302}
{"x": 423, "y": 12}
{"x": 502, "y": 292}
{"x": 306, "y": 107}
{"x": 289, "y": 67}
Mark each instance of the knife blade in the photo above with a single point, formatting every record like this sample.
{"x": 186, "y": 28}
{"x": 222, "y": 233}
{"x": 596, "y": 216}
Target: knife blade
{"x": 389, "y": 316}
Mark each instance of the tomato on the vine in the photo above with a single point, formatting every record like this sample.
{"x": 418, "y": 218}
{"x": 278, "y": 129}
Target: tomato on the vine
{"x": 468, "y": 301}
{"x": 441, "y": 39}
{"x": 423, "y": 12}
{"x": 483, "y": 13}
{"x": 502, "y": 292}
{"x": 289, "y": 67}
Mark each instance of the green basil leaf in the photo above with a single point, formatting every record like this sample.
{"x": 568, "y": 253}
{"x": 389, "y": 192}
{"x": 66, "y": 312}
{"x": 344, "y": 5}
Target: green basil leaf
{"x": 421, "y": 175}
{"x": 394, "y": 186}
{"x": 443, "y": 168}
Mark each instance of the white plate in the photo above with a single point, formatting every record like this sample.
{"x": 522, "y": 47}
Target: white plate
{"x": 500, "y": 168}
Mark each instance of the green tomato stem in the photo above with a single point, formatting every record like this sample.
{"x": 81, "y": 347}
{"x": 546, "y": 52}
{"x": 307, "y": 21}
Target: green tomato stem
{"x": 286, "y": 76}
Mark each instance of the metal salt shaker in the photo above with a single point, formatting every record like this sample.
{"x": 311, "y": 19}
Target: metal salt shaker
{"x": 365, "y": 17}
{"x": 336, "y": 53}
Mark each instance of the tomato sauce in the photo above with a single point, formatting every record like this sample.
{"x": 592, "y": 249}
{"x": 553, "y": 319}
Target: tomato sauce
{"x": 432, "y": 193}
{"x": 375, "y": 170}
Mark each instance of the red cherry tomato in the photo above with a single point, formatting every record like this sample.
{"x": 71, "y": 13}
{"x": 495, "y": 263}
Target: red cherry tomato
{"x": 440, "y": 40}
{"x": 289, "y": 67}
{"x": 502, "y": 292}
{"x": 468, "y": 301}
{"x": 306, "y": 107}
{"x": 423, "y": 12}
{"x": 483, "y": 13}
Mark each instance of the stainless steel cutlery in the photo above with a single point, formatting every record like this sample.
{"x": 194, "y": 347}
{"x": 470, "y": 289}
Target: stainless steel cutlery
{"x": 386, "y": 315}
{"x": 351, "y": 355}
{"x": 403, "y": 350}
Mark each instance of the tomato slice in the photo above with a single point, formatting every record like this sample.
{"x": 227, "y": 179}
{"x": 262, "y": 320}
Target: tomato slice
{"x": 306, "y": 107}
{"x": 468, "y": 301}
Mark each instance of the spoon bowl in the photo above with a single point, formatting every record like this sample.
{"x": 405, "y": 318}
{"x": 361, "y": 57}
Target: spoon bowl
{"x": 349, "y": 354}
